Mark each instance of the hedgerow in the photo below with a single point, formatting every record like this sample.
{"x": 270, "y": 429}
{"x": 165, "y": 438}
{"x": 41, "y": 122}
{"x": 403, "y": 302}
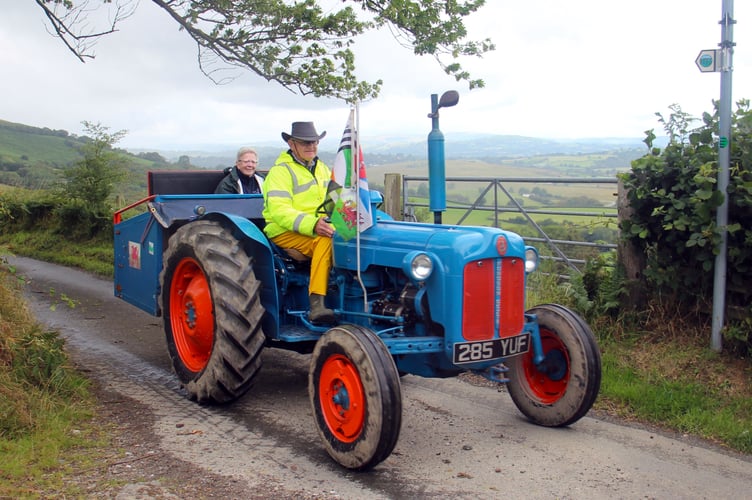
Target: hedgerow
{"x": 672, "y": 192}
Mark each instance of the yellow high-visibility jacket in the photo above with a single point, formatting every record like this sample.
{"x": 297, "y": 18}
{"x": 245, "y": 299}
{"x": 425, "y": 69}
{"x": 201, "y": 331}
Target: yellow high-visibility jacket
{"x": 292, "y": 194}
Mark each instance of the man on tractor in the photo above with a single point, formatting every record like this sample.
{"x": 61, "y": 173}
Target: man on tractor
{"x": 293, "y": 190}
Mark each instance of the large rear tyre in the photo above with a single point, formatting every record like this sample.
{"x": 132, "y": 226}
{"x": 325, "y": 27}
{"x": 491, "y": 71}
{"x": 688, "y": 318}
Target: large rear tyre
{"x": 212, "y": 312}
{"x": 562, "y": 389}
{"x": 356, "y": 396}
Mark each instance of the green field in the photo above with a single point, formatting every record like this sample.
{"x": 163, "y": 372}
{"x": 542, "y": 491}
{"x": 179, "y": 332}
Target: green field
{"x": 604, "y": 193}
{"x": 488, "y": 218}
{"x": 563, "y": 198}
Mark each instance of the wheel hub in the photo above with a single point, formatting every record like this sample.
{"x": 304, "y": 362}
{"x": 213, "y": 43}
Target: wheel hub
{"x": 340, "y": 397}
{"x": 190, "y": 315}
{"x": 554, "y": 365}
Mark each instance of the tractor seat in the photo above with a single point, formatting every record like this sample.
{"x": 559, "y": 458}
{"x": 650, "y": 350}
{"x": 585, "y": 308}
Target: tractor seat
{"x": 290, "y": 255}
{"x": 296, "y": 255}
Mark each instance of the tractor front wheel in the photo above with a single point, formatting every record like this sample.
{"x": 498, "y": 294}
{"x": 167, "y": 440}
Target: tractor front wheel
{"x": 356, "y": 396}
{"x": 562, "y": 388}
{"x": 212, "y": 312}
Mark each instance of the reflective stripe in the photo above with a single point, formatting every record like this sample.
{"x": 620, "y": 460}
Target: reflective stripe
{"x": 279, "y": 194}
{"x": 298, "y": 188}
{"x": 292, "y": 174}
{"x": 298, "y": 222}
{"x": 302, "y": 188}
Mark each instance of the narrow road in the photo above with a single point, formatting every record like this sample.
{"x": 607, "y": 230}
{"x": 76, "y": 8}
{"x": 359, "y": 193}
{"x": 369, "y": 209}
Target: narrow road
{"x": 458, "y": 440}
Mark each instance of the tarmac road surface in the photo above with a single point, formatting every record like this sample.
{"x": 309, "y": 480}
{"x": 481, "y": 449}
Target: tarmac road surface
{"x": 458, "y": 440}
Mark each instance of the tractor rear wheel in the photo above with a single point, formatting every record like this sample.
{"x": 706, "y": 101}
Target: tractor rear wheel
{"x": 212, "y": 312}
{"x": 563, "y": 387}
{"x": 356, "y": 396}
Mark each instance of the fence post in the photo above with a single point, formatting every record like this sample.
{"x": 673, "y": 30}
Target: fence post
{"x": 629, "y": 257}
{"x": 393, "y": 195}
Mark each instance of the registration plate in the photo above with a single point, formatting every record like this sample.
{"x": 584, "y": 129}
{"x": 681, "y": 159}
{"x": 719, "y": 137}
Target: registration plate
{"x": 471, "y": 352}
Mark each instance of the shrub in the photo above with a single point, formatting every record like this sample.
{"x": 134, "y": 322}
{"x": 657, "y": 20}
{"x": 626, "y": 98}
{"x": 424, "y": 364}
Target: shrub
{"x": 92, "y": 179}
{"x": 674, "y": 199}
{"x": 76, "y": 220}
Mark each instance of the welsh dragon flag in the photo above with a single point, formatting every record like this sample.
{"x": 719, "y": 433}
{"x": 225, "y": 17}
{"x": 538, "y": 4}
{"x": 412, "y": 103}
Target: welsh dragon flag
{"x": 349, "y": 186}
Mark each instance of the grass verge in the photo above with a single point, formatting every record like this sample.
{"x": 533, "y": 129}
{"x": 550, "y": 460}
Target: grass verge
{"x": 679, "y": 386}
{"x": 45, "y": 405}
{"x": 95, "y": 255}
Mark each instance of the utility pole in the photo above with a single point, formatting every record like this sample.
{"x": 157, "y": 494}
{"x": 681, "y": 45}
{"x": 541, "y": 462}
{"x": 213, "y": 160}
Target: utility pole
{"x": 724, "y": 148}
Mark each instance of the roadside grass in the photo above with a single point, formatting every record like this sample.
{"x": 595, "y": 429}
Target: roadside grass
{"x": 679, "y": 386}
{"x": 40, "y": 462}
{"x": 95, "y": 255}
{"x": 45, "y": 405}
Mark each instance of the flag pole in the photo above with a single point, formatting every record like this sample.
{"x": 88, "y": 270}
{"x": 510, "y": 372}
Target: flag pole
{"x": 356, "y": 170}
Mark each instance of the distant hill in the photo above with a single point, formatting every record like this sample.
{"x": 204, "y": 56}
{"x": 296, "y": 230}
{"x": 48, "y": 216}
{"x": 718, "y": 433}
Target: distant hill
{"x": 616, "y": 153}
{"x": 482, "y": 146}
{"x": 36, "y": 157}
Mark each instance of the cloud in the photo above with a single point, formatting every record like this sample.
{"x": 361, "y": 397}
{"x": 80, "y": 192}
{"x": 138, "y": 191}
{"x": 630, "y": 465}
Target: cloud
{"x": 561, "y": 69}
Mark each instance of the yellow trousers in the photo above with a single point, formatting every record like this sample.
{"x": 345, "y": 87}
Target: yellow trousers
{"x": 319, "y": 249}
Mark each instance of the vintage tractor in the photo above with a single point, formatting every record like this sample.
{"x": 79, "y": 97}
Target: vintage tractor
{"x": 410, "y": 298}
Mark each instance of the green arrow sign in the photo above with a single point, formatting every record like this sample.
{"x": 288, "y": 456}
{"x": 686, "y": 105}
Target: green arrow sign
{"x": 709, "y": 61}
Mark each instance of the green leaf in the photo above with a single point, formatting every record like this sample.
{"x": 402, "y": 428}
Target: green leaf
{"x": 704, "y": 194}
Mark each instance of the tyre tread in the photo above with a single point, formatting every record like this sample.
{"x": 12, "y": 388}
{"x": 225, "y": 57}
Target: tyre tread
{"x": 239, "y": 338}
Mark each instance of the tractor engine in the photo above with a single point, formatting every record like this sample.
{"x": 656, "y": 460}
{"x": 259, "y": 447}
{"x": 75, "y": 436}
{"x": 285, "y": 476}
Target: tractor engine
{"x": 406, "y": 305}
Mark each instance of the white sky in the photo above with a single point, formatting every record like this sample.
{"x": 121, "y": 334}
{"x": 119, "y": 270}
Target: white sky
{"x": 588, "y": 68}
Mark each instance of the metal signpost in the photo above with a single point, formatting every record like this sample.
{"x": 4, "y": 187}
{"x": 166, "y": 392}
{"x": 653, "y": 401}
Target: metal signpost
{"x": 711, "y": 61}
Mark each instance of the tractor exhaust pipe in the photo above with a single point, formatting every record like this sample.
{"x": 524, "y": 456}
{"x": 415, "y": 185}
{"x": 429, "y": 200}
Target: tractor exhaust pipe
{"x": 436, "y": 161}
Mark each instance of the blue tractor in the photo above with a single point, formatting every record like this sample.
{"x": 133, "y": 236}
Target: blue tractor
{"x": 431, "y": 300}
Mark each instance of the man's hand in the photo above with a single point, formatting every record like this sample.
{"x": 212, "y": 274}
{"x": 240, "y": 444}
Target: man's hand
{"x": 323, "y": 228}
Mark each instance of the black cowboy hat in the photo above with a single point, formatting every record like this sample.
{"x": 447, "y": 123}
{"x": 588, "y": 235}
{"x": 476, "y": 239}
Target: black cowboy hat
{"x": 304, "y": 131}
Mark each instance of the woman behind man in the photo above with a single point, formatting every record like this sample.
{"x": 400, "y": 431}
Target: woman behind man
{"x": 242, "y": 178}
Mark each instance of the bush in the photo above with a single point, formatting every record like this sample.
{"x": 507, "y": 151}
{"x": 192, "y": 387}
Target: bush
{"x": 77, "y": 221}
{"x": 72, "y": 218}
{"x": 674, "y": 199}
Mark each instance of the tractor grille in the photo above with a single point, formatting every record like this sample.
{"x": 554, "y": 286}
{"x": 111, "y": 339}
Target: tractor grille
{"x": 493, "y": 302}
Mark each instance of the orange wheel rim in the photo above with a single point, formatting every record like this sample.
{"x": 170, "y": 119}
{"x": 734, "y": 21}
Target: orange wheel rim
{"x": 191, "y": 315}
{"x": 550, "y": 385}
{"x": 342, "y": 398}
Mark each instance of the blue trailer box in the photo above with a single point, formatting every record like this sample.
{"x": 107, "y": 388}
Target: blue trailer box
{"x": 138, "y": 261}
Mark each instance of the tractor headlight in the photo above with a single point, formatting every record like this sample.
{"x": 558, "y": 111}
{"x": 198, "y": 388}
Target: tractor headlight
{"x": 531, "y": 259}
{"x": 417, "y": 265}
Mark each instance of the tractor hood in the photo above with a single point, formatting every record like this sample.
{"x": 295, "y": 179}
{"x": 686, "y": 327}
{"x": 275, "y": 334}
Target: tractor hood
{"x": 386, "y": 243}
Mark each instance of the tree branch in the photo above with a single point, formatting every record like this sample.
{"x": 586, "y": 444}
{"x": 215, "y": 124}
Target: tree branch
{"x": 295, "y": 44}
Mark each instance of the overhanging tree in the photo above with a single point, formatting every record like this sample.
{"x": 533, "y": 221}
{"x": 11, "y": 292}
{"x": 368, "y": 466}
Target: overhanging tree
{"x": 301, "y": 45}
